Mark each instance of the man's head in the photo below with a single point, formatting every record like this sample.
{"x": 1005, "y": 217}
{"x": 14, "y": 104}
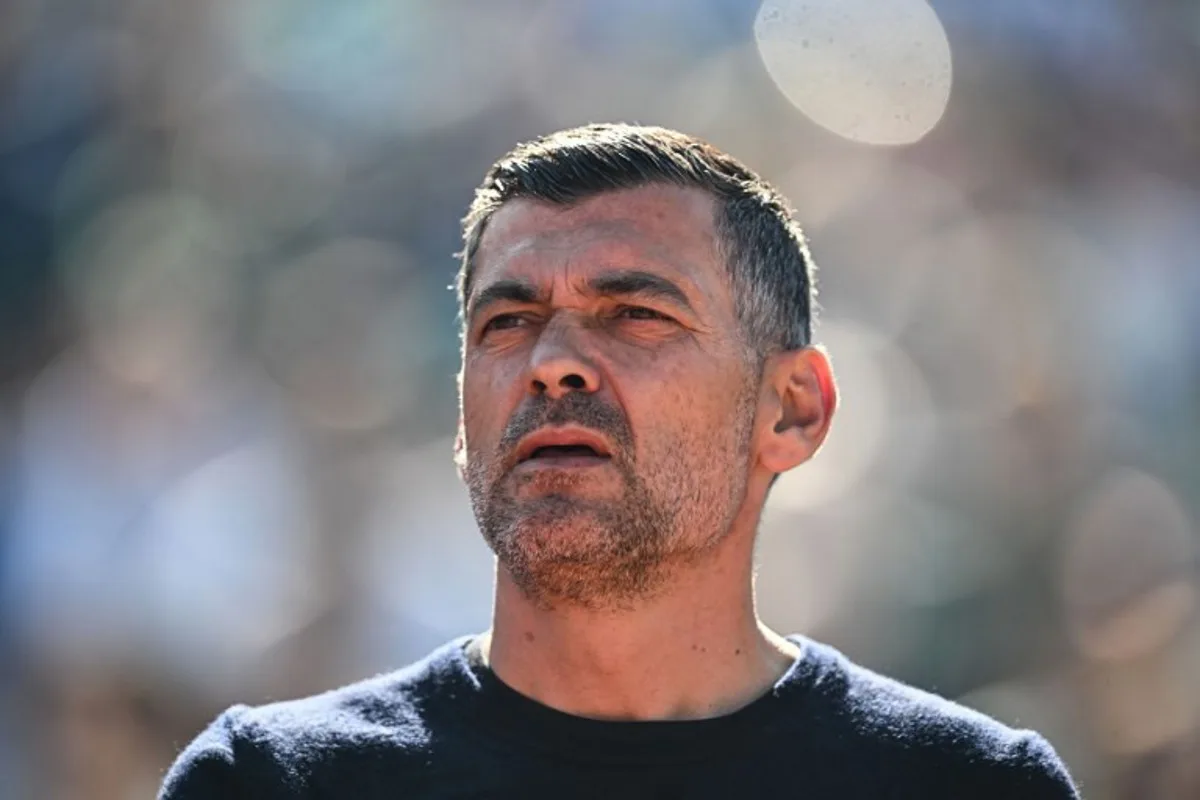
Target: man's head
{"x": 637, "y": 311}
{"x": 771, "y": 274}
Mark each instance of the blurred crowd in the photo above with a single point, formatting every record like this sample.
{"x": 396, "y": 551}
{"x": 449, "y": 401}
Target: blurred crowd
{"x": 228, "y": 349}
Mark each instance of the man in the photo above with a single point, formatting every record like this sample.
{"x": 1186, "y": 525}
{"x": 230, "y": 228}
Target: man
{"x": 637, "y": 369}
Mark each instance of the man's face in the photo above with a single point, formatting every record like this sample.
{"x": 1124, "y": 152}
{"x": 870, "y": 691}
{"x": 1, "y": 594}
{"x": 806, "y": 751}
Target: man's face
{"x": 607, "y": 402}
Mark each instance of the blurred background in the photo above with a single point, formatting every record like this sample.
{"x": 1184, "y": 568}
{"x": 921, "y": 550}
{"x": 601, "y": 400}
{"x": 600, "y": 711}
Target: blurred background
{"x": 227, "y": 347}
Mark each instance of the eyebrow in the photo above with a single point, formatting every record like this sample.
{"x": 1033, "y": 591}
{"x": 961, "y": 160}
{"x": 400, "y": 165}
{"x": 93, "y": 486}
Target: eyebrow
{"x": 509, "y": 290}
{"x": 636, "y": 282}
{"x": 617, "y": 283}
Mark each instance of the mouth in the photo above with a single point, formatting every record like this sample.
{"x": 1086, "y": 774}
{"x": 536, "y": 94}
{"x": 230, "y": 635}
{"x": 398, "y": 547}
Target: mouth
{"x": 555, "y": 452}
{"x": 562, "y": 448}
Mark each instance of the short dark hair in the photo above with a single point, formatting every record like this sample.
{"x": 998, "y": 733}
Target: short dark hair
{"x": 772, "y": 275}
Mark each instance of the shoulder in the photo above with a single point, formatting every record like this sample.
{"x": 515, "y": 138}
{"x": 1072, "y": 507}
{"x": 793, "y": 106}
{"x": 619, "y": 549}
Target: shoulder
{"x": 275, "y": 750}
{"x": 915, "y": 730}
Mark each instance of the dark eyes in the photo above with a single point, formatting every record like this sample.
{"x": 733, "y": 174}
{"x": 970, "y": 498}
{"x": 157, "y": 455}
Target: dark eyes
{"x": 502, "y": 322}
{"x": 639, "y": 312}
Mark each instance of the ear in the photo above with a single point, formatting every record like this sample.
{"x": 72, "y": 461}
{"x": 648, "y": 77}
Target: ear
{"x": 799, "y": 399}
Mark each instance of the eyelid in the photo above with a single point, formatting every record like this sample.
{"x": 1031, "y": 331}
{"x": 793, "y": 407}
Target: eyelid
{"x": 503, "y": 315}
{"x": 639, "y": 307}
{"x": 523, "y": 318}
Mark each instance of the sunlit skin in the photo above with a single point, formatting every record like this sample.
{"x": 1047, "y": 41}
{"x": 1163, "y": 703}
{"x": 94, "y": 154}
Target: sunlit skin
{"x": 624, "y": 584}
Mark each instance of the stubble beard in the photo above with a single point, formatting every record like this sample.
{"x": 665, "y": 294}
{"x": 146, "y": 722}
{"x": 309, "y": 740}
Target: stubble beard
{"x": 563, "y": 549}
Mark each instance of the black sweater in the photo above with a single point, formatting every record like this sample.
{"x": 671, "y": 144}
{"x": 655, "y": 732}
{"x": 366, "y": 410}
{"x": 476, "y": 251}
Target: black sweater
{"x": 447, "y": 727}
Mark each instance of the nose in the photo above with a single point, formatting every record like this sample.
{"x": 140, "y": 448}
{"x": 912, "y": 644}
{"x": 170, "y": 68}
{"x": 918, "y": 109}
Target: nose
{"x": 557, "y": 364}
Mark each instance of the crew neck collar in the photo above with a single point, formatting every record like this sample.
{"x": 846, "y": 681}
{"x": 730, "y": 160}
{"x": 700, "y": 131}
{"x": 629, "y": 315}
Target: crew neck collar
{"x": 508, "y": 719}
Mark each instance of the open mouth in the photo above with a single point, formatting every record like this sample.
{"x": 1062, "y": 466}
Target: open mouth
{"x": 561, "y": 447}
{"x": 558, "y": 451}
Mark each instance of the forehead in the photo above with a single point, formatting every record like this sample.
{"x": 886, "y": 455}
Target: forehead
{"x": 658, "y": 228}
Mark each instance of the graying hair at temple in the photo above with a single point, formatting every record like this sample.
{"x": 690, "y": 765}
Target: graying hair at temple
{"x": 771, "y": 271}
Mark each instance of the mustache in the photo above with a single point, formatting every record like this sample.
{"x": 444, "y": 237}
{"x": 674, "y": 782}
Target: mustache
{"x": 584, "y": 410}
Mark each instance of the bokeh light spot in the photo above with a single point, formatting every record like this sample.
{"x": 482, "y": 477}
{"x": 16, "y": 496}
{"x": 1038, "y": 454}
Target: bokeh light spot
{"x": 875, "y": 71}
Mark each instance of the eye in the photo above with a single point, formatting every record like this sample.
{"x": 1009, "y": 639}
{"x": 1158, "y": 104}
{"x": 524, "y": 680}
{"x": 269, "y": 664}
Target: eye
{"x": 502, "y": 322}
{"x": 640, "y": 313}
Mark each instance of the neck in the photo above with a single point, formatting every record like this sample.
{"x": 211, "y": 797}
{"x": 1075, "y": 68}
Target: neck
{"x": 693, "y": 651}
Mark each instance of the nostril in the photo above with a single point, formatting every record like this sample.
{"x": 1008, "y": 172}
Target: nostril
{"x": 573, "y": 381}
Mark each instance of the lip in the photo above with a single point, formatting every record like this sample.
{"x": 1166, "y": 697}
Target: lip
{"x": 534, "y": 466}
{"x": 560, "y": 436}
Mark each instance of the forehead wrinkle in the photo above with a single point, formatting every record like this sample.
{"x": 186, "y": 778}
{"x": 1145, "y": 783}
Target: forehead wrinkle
{"x": 632, "y": 242}
{"x": 618, "y": 256}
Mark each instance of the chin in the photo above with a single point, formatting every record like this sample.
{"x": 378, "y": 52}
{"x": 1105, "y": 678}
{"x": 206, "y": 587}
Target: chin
{"x": 580, "y": 560}
{"x": 558, "y": 518}
{"x": 558, "y": 528}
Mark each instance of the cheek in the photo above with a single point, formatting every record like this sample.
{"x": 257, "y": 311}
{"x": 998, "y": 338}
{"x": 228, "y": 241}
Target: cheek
{"x": 681, "y": 404}
{"x": 487, "y": 399}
